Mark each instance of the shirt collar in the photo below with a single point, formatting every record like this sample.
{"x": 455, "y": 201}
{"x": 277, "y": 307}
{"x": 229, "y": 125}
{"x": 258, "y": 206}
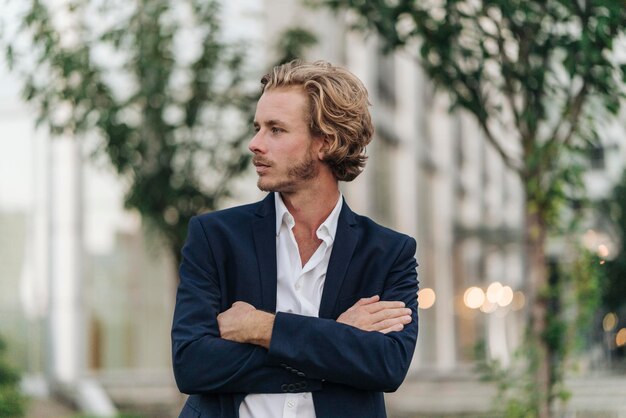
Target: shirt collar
{"x": 328, "y": 228}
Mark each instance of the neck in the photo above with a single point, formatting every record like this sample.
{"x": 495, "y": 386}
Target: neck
{"x": 311, "y": 206}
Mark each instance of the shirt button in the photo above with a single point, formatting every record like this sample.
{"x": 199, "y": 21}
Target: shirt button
{"x": 291, "y": 404}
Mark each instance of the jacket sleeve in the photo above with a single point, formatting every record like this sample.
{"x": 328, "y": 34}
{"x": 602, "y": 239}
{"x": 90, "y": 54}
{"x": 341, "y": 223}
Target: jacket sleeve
{"x": 327, "y": 350}
{"x": 202, "y": 361}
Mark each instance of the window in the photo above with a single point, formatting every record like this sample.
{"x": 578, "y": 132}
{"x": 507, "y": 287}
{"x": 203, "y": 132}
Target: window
{"x": 596, "y": 157}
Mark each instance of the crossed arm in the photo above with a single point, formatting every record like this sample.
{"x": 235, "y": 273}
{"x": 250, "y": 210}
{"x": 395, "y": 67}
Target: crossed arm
{"x": 243, "y": 323}
{"x": 242, "y": 349}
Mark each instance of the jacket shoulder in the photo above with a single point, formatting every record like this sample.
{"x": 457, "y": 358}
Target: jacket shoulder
{"x": 241, "y": 210}
{"x": 233, "y": 216}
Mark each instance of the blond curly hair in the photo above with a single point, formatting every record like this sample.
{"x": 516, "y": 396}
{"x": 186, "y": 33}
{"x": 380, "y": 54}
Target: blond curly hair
{"x": 338, "y": 110}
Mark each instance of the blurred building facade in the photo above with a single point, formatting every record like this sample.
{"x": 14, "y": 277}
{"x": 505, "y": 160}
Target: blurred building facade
{"x": 430, "y": 174}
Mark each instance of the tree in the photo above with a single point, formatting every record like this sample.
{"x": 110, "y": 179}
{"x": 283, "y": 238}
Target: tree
{"x": 158, "y": 85}
{"x": 614, "y": 286}
{"x": 543, "y": 71}
{"x": 12, "y": 402}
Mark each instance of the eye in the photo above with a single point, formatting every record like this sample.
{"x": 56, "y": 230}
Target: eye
{"x": 276, "y": 130}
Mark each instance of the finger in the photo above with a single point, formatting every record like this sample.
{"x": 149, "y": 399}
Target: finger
{"x": 364, "y": 301}
{"x": 397, "y": 327}
{"x": 386, "y": 323}
{"x": 367, "y": 301}
{"x": 379, "y": 306}
{"x": 390, "y": 313}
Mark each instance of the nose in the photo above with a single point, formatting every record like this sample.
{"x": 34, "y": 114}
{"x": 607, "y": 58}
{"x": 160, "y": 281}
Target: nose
{"x": 256, "y": 144}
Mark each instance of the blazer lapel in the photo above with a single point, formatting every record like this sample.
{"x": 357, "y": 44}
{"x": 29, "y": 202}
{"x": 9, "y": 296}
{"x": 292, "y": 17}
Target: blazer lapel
{"x": 264, "y": 232}
{"x": 346, "y": 239}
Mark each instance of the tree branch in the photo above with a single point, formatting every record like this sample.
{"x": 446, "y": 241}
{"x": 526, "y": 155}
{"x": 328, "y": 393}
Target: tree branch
{"x": 506, "y": 158}
{"x": 572, "y": 110}
{"x": 509, "y": 93}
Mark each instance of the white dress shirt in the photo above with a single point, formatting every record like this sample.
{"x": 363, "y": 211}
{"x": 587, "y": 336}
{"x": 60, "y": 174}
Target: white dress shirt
{"x": 299, "y": 290}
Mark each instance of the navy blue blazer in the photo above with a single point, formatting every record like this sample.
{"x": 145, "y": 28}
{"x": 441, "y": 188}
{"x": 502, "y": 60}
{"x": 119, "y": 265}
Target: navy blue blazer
{"x": 230, "y": 255}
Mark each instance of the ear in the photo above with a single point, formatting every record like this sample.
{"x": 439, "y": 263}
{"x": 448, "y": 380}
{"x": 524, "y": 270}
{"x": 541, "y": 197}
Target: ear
{"x": 323, "y": 145}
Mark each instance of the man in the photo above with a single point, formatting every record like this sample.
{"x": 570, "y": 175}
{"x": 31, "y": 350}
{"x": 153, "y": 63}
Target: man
{"x": 295, "y": 306}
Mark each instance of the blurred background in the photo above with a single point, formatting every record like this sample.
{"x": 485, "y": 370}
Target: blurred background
{"x": 121, "y": 120}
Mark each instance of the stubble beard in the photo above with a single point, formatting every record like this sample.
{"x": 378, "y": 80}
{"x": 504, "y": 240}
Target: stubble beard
{"x": 296, "y": 174}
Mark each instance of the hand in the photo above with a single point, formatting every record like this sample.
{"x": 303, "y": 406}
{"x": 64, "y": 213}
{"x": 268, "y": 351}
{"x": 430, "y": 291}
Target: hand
{"x": 243, "y": 323}
{"x": 370, "y": 314}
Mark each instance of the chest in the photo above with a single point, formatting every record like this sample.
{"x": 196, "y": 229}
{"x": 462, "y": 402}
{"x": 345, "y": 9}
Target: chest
{"x": 306, "y": 247}
{"x": 301, "y": 273}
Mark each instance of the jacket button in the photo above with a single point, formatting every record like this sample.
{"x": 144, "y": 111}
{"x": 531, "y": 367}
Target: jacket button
{"x": 291, "y": 387}
{"x": 301, "y": 374}
{"x": 284, "y": 388}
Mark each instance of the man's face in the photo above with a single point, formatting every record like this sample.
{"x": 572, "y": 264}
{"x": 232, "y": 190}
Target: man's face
{"x": 285, "y": 153}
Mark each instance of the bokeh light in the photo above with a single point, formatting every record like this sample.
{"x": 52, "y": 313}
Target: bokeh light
{"x": 494, "y": 292}
{"x": 519, "y": 300}
{"x": 609, "y": 322}
{"x": 488, "y": 306}
{"x": 620, "y": 338}
{"x": 603, "y": 251}
{"x": 474, "y": 297}
{"x": 426, "y": 298}
{"x": 506, "y": 296}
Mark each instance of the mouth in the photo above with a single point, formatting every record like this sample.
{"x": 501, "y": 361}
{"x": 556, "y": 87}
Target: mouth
{"x": 261, "y": 165}
{"x": 261, "y": 169}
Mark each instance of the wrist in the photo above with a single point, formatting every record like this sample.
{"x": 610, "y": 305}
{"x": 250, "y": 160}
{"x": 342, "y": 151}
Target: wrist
{"x": 261, "y": 324}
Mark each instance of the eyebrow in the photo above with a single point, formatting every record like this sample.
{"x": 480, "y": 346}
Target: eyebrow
{"x": 271, "y": 122}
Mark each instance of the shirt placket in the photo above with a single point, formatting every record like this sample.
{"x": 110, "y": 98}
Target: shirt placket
{"x": 290, "y": 407}
{"x": 311, "y": 275}
{"x": 296, "y": 268}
